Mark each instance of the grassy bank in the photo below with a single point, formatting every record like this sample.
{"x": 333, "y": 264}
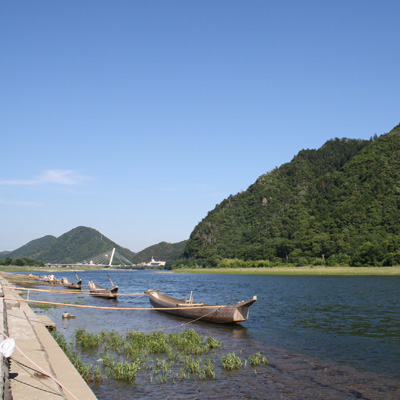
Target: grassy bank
{"x": 43, "y": 270}
{"x": 296, "y": 271}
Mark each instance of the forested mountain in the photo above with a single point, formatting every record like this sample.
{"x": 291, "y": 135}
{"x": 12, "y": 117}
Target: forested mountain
{"x": 337, "y": 204}
{"x": 84, "y": 243}
{"x": 75, "y": 246}
{"x": 161, "y": 252}
{"x": 32, "y": 247}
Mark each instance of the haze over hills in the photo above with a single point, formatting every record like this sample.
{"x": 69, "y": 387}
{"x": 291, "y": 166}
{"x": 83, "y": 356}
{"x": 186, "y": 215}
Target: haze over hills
{"x": 337, "y": 204}
{"x": 84, "y": 243}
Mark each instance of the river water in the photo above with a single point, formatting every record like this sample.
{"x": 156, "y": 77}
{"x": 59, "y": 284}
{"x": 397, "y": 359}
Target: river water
{"x": 326, "y": 337}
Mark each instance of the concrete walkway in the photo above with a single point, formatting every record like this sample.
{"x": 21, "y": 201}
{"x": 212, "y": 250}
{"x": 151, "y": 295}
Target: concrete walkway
{"x": 38, "y": 347}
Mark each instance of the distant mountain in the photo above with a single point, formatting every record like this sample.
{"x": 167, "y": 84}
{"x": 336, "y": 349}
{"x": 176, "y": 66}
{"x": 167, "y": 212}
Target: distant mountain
{"x": 335, "y": 205}
{"x": 160, "y": 252}
{"x": 4, "y": 254}
{"x": 75, "y": 246}
{"x": 32, "y": 247}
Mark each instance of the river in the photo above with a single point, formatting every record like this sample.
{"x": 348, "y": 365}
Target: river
{"x": 326, "y": 337}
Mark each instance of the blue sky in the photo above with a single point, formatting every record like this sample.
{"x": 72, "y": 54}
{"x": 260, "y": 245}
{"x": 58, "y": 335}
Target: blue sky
{"x": 136, "y": 118}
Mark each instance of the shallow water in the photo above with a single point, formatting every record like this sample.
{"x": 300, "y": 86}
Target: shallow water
{"x": 333, "y": 337}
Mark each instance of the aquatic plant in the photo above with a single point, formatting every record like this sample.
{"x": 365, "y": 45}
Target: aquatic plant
{"x": 97, "y": 376}
{"x": 133, "y": 353}
{"x": 257, "y": 359}
{"x": 165, "y": 357}
{"x": 190, "y": 342}
{"x": 157, "y": 342}
{"x": 87, "y": 371}
{"x": 43, "y": 306}
{"x": 136, "y": 339}
{"x": 209, "y": 369}
{"x": 123, "y": 370}
{"x": 212, "y": 343}
{"x": 112, "y": 340}
{"x": 87, "y": 340}
{"x": 231, "y": 361}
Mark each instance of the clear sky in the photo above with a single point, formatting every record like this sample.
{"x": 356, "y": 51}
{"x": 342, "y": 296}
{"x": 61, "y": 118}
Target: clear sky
{"x": 136, "y": 118}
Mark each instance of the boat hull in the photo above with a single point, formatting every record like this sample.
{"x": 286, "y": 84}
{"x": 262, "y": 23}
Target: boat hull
{"x": 238, "y": 312}
{"x": 72, "y": 285}
{"x": 98, "y": 291}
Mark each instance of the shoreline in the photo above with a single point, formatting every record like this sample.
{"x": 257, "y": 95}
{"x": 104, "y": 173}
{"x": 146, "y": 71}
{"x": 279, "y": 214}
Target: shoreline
{"x": 350, "y": 271}
{"x": 305, "y": 270}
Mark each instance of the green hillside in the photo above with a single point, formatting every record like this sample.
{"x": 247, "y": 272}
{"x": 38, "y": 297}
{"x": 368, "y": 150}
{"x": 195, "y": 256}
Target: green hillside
{"x": 32, "y": 247}
{"x": 336, "y": 205}
{"x": 161, "y": 252}
{"x": 75, "y": 246}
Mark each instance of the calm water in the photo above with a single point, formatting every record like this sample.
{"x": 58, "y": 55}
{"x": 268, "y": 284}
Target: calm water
{"x": 304, "y": 324}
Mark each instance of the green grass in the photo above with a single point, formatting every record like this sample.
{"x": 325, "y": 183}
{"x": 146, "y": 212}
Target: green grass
{"x": 317, "y": 270}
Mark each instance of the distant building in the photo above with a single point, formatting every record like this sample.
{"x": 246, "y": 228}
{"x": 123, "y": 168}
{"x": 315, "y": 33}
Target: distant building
{"x": 154, "y": 263}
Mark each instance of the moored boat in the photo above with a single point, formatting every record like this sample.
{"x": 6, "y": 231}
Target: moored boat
{"x": 99, "y": 291}
{"x": 238, "y": 312}
{"x": 50, "y": 279}
{"x": 72, "y": 285}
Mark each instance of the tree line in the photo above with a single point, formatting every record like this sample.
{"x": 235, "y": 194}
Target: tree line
{"x": 21, "y": 262}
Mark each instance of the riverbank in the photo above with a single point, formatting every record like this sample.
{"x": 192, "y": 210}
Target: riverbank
{"x": 39, "y": 369}
{"x": 320, "y": 270}
{"x": 14, "y": 268}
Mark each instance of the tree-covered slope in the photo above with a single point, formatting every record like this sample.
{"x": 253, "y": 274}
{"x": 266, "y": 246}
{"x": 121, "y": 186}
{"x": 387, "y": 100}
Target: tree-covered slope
{"x": 77, "y": 245}
{"x": 32, "y": 247}
{"x": 161, "y": 252}
{"x": 337, "y": 204}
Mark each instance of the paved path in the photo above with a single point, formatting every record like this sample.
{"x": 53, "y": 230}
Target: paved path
{"x": 38, "y": 347}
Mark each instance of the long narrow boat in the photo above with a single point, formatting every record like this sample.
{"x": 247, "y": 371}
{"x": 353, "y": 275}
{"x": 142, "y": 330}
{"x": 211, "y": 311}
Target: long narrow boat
{"x": 187, "y": 308}
{"x": 72, "y": 285}
{"x": 50, "y": 280}
{"x": 99, "y": 291}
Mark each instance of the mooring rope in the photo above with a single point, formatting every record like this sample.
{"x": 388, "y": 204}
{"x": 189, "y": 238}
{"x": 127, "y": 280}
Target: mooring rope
{"x": 64, "y": 291}
{"x": 115, "y": 308}
{"x": 42, "y": 370}
{"x": 180, "y": 325}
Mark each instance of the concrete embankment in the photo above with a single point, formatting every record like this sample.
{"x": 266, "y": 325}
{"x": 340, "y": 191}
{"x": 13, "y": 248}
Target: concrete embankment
{"x": 36, "y": 356}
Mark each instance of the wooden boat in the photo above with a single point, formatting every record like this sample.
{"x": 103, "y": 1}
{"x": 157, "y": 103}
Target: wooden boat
{"x": 72, "y": 285}
{"x": 99, "y": 291}
{"x": 187, "y": 308}
{"x": 51, "y": 280}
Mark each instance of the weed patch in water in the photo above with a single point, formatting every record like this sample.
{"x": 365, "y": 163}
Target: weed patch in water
{"x": 156, "y": 357}
{"x": 43, "y": 306}
{"x": 257, "y": 359}
{"x": 88, "y": 372}
{"x": 231, "y": 361}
